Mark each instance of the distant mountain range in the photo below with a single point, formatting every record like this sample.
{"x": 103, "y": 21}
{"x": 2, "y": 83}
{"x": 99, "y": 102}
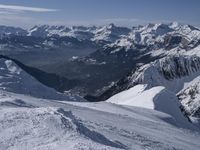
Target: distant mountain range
{"x": 106, "y": 53}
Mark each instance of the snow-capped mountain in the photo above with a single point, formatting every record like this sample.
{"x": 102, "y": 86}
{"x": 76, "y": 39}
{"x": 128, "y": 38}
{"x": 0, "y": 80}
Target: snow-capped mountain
{"x": 120, "y": 47}
{"x": 161, "y": 37}
{"x": 79, "y": 32}
{"x": 110, "y": 33}
{"x": 98, "y": 48}
{"x": 148, "y": 34}
{"x": 165, "y": 70}
{"x": 158, "y": 40}
{"x": 178, "y": 74}
{"x": 151, "y": 72}
{"x": 11, "y": 31}
{"x": 157, "y": 37}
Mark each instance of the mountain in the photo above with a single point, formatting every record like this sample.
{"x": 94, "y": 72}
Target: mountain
{"x": 79, "y": 32}
{"x": 28, "y": 120}
{"x": 110, "y": 33}
{"x": 147, "y": 79}
{"x": 6, "y": 31}
{"x": 146, "y": 44}
{"x": 178, "y": 74}
{"x": 47, "y": 44}
{"x": 107, "y": 53}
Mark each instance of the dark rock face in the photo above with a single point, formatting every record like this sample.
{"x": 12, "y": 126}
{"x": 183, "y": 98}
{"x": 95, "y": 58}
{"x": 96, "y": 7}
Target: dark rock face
{"x": 190, "y": 100}
{"x": 178, "y": 66}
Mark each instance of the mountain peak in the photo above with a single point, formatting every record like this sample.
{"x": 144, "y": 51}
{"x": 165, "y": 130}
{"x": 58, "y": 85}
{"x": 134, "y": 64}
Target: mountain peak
{"x": 174, "y": 24}
{"x": 111, "y": 25}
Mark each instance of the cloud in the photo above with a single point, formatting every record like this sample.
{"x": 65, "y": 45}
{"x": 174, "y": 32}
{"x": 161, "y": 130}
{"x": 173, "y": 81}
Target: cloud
{"x": 24, "y": 8}
{"x": 15, "y": 15}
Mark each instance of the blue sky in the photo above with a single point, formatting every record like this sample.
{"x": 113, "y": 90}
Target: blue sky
{"x": 98, "y": 12}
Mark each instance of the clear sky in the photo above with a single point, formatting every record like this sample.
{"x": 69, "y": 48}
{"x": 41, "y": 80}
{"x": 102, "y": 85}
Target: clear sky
{"x": 98, "y": 12}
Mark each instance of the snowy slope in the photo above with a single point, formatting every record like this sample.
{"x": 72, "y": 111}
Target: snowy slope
{"x": 156, "y": 98}
{"x": 14, "y": 79}
{"x": 32, "y": 123}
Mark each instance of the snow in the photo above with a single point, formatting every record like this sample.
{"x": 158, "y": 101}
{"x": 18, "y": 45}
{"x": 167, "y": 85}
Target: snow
{"x": 43, "y": 128}
{"x": 12, "y": 68}
{"x": 126, "y": 97}
{"x": 194, "y": 51}
{"x": 124, "y": 42}
{"x": 156, "y": 98}
{"x": 34, "y": 123}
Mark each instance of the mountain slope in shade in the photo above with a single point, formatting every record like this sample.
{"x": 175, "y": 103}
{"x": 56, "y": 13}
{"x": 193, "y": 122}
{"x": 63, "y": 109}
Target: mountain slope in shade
{"x": 14, "y": 79}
